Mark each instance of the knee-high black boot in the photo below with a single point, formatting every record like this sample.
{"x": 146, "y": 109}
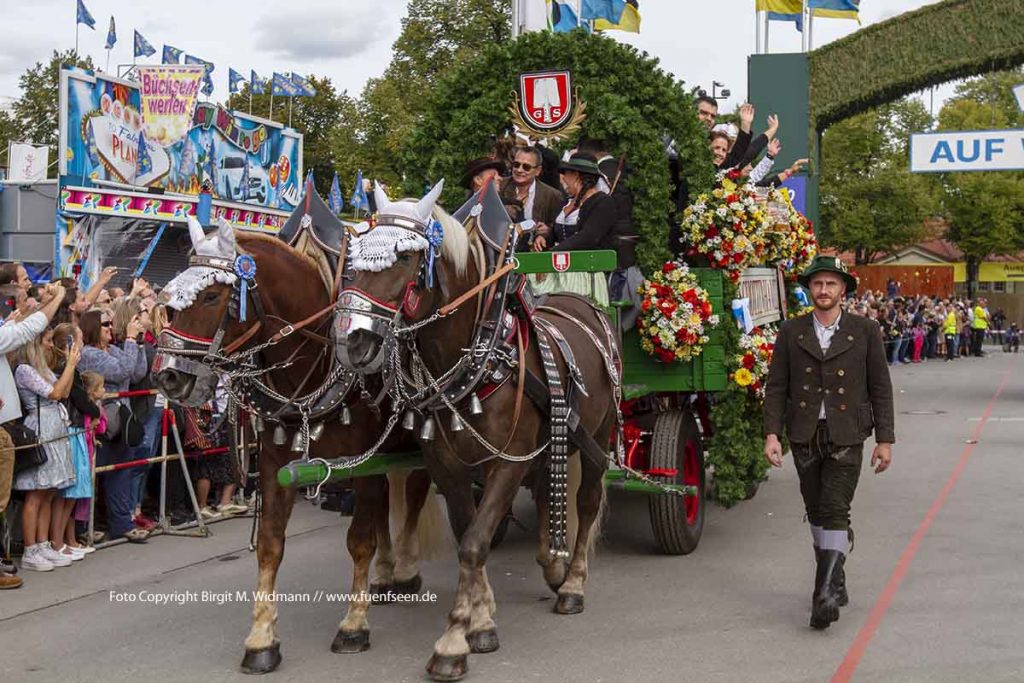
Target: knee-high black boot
{"x": 838, "y": 580}
{"x": 825, "y": 608}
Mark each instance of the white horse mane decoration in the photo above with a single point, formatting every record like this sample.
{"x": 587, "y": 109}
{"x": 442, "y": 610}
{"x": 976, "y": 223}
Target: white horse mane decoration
{"x": 377, "y": 249}
{"x": 182, "y": 291}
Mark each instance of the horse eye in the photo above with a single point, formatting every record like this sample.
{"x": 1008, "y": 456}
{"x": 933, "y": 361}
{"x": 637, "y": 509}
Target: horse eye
{"x": 210, "y": 297}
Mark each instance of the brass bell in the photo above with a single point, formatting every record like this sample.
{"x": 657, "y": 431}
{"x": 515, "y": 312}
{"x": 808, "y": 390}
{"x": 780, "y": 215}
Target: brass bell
{"x": 427, "y": 430}
{"x": 475, "y": 406}
{"x": 316, "y": 431}
{"x": 409, "y": 421}
{"x": 457, "y": 425}
{"x": 346, "y": 416}
{"x": 280, "y": 436}
{"x": 258, "y": 423}
{"x": 299, "y": 442}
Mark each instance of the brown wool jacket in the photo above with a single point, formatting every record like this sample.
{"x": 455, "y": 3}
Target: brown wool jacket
{"x": 852, "y": 379}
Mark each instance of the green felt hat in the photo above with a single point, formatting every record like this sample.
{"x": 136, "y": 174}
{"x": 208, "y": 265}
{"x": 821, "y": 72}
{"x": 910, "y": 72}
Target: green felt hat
{"x": 581, "y": 162}
{"x": 828, "y": 264}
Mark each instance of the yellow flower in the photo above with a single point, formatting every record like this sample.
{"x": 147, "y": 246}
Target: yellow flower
{"x": 743, "y": 377}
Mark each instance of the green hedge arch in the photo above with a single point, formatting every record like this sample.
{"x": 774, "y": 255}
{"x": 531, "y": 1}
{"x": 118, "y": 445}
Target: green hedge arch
{"x": 930, "y": 46}
{"x": 630, "y": 101}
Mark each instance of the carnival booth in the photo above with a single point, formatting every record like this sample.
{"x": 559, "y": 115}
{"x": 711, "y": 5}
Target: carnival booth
{"x": 140, "y": 156}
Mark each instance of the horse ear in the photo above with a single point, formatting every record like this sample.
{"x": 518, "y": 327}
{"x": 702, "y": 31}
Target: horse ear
{"x": 425, "y": 206}
{"x": 195, "y": 231}
{"x": 381, "y": 197}
{"x": 226, "y": 237}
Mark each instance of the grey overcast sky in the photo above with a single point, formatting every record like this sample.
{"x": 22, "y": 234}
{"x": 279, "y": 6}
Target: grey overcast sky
{"x": 350, "y": 40}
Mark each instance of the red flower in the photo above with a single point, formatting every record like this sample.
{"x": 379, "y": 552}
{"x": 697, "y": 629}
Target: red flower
{"x": 737, "y": 257}
{"x": 646, "y": 305}
{"x": 749, "y": 361}
{"x": 732, "y": 198}
{"x": 734, "y": 174}
{"x": 712, "y": 232}
{"x": 727, "y": 245}
{"x": 668, "y": 267}
{"x": 666, "y": 356}
{"x": 667, "y": 308}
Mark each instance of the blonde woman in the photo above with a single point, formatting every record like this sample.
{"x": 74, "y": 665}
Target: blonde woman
{"x": 41, "y": 392}
{"x": 125, "y": 310}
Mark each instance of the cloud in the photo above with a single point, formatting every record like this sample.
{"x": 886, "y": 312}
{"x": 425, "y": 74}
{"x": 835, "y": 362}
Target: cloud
{"x": 325, "y": 33}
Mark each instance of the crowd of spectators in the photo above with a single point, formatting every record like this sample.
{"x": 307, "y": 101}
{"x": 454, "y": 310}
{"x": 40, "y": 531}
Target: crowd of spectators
{"x": 65, "y": 356}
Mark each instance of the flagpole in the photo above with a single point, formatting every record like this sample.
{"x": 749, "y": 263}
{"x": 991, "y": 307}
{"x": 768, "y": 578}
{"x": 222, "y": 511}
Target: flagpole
{"x": 810, "y": 30}
{"x": 76, "y": 33}
{"x": 250, "y": 99}
{"x": 271, "y": 103}
{"x": 803, "y": 17}
{"x": 579, "y": 13}
{"x": 757, "y": 31}
{"x": 767, "y": 23}
{"x": 515, "y": 19}
{"x": 290, "y": 111}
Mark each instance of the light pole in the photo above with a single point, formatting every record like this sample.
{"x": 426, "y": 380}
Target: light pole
{"x": 715, "y": 85}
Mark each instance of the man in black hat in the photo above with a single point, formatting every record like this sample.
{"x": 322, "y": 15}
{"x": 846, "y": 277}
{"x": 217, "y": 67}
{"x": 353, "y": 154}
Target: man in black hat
{"x": 479, "y": 171}
{"x": 828, "y": 386}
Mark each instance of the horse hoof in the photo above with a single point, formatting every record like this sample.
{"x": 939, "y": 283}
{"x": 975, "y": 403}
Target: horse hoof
{"x": 569, "y": 603}
{"x": 447, "y": 667}
{"x": 262, "y": 661}
{"x": 411, "y": 587}
{"x": 482, "y": 642}
{"x": 351, "y": 642}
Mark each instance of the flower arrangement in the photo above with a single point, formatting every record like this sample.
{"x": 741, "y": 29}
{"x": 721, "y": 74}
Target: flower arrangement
{"x": 728, "y": 227}
{"x": 749, "y": 367}
{"x": 790, "y": 238}
{"x": 675, "y": 314}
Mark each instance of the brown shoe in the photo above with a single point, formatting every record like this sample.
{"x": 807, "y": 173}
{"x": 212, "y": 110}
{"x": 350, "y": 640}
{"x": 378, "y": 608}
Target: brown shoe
{"x": 8, "y": 582}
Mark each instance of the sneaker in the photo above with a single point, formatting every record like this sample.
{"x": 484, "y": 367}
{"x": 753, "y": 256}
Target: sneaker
{"x": 75, "y": 554}
{"x": 56, "y": 559}
{"x": 83, "y": 549}
{"x": 144, "y": 522}
{"x": 233, "y": 509}
{"x": 8, "y": 567}
{"x": 209, "y": 513}
{"x": 35, "y": 560}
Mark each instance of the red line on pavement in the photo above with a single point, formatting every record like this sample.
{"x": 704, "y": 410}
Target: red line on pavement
{"x": 853, "y": 656}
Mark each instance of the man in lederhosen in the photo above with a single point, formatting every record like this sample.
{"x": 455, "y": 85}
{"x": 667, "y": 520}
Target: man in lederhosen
{"x": 829, "y": 386}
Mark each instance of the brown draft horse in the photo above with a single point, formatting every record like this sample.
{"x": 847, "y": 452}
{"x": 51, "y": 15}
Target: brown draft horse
{"x": 290, "y": 289}
{"x": 441, "y": 344}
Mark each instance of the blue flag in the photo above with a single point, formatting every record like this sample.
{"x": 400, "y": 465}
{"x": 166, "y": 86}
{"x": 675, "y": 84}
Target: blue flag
{"x": 142, "y": 46}
{"x": 563, "y": 17}
{"x": 144, "y": 162}
{"x": 235, "y": 80}
{"x": 172, "y": 55}
{"x": 84, "y": 17}
{"x": 336, "y": 202}
{"x": 609, "y": 10}
{"x": 303, "y": 87}
{"x": 282, "y": 86}
{"x": 111, "y": 36}
{"x": 189, "y": 59}
{"x": 358, "y": 200}
{"x": 835, "y": 9}
{"x": 257, "y": 85}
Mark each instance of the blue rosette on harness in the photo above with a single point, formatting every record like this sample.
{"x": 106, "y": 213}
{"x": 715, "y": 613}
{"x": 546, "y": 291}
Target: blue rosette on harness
{"x": 435, "y": 236}
{"x": 245, "y": 269}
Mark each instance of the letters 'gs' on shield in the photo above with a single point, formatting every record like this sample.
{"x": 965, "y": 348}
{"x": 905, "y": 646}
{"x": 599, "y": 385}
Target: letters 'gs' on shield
{"x": 546, "y": 106}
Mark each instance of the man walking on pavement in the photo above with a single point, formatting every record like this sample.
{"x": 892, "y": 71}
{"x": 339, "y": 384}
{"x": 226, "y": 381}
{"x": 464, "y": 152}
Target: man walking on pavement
{"x": 829, "y": 387}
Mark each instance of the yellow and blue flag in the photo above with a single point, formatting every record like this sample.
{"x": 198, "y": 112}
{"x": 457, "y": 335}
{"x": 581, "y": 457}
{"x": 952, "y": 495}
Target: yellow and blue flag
{"x": 235, "y": 81}
{"x": 257, "y": 85}
{"x": 629, "y": 19}
{"x": 563, "y": 17}
{"x": 142, "y": 46}
{"x": 171, "y": 55}
{"x": 783, "y": 10}
{"x": 302, "y": 86}
{"x": 835, "y": 9}
{"x": 83, "y": 16}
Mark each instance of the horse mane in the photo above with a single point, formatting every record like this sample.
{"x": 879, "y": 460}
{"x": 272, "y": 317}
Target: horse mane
{"x": 247, "y": 239}
{"x": 458, "y": 244}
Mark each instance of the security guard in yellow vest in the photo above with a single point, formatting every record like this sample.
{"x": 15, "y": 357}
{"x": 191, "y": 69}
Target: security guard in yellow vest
{"x": 979, "y": 326}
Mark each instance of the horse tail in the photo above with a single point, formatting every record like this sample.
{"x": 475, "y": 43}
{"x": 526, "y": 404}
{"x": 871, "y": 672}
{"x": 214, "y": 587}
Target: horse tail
{"x": 433, "y": 532}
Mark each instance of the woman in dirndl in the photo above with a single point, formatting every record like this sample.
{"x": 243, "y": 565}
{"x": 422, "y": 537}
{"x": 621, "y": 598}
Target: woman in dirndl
{"x": 586, "y": 222}
{"x": 41, "y": 393}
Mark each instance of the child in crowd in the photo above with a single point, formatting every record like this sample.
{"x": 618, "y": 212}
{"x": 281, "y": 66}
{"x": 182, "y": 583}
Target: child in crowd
{"x": 94, "y": 427}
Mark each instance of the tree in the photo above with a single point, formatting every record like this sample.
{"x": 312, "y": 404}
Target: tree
{"x": 985, "y": 210}
{"x": 870, "y": 201}
{"x": 35, "y": 117}
{"x": 315, "y": 117}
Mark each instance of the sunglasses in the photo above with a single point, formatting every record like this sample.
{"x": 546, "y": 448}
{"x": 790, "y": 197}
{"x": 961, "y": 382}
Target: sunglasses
{"x": 525, "y": 167}
{"x": 107, "y": 324}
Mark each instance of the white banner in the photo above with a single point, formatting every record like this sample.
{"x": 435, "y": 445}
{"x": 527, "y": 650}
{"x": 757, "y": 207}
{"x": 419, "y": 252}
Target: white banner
{"x": 976, "y": 150}
{"x": 27, "y": 162}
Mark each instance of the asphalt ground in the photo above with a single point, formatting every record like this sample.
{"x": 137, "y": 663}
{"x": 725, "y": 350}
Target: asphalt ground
{"x": 935, "y": 581}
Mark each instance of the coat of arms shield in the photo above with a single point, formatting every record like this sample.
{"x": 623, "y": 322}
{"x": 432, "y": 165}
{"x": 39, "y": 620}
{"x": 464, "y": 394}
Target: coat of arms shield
{"x": 545, "y": 99}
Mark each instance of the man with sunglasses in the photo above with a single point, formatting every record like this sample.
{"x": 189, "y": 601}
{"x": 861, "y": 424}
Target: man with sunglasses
{"x": 541, "y": 202}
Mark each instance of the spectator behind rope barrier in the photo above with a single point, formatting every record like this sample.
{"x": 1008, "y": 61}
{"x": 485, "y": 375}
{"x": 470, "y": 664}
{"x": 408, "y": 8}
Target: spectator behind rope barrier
{"x": 14, "y": 335}
{"x": 119, "y": 367}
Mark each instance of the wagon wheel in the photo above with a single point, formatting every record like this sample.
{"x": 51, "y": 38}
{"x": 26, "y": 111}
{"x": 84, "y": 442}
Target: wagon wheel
{"x": 678, "y": 521}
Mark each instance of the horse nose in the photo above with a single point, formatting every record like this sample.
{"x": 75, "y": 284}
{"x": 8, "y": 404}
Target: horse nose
{"x": 174, "y": 384}
{"x": 362, "y": 347}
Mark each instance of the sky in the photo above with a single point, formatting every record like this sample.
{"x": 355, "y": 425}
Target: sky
{"x": 350, "y": 40}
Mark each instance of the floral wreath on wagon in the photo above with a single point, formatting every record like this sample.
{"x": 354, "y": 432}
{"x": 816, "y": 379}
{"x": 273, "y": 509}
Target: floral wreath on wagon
{"x": 791, "y": 242}
{"x": 675, "y": 314}
{"x": 749, "y": 368}
{"x": 728, "y": 226}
